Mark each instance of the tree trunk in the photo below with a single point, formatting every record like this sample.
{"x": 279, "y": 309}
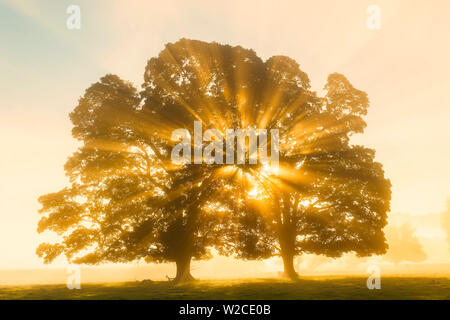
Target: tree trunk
{"x": 288, "y": 263}
{"x": 287, "y": 244}
{"x": 286, "y": 237}
{"x": 183, "y": 271}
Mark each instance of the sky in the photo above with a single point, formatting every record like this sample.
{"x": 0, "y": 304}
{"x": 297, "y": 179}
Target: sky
{"x": 45, "y": 68}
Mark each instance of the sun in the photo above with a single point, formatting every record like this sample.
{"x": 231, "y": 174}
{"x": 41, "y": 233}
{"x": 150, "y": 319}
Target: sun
{"x": 267, "y": 169}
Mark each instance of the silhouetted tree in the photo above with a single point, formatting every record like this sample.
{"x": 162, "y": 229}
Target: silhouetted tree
{"x": 328, "y": 197}
{"x": 127, "y": 200}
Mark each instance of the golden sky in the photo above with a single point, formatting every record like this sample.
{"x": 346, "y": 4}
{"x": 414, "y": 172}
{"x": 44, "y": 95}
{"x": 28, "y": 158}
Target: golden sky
{"x": 403, "y": 67}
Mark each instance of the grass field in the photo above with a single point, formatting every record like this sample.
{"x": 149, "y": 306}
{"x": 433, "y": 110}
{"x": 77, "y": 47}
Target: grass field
{"x": 305, "y": 288}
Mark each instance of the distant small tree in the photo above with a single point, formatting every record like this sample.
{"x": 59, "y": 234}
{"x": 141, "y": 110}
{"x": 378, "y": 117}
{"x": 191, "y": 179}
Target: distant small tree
{"x": 403, "y": 244}
{"x": 445, "y": 221}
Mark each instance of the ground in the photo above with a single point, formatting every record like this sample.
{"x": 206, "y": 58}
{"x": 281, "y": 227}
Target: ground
{"x": 304, "y": 288}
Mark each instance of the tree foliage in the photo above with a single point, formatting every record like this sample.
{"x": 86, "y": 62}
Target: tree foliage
{"x": 127, "y": 200}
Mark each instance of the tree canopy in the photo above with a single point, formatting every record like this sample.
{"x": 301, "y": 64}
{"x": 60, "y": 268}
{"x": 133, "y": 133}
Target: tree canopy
{"x": 128, "y": 200}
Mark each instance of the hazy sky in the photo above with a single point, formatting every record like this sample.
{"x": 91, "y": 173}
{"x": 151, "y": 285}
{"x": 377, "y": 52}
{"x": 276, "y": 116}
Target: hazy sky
{"x": 44, "y": 67}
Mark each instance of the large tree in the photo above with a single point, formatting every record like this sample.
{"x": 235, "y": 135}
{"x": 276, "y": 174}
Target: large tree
{"x": 127, "y": 200}
{"x": 327, "y": 196}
